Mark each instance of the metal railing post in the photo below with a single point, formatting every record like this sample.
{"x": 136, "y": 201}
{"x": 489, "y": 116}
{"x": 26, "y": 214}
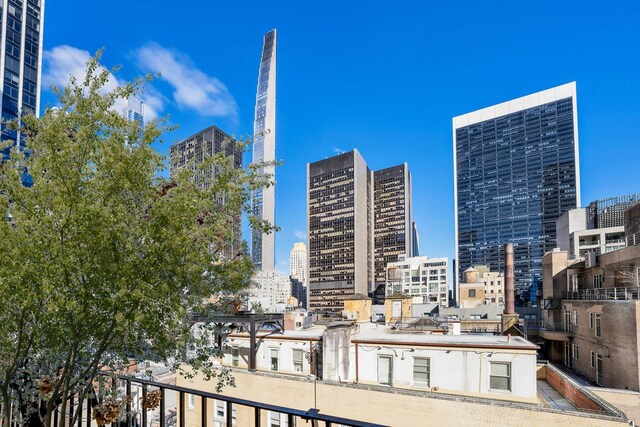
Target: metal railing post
{"x": 229, "y": 414}
{"x": 143, "y": 410}
{"x": 128, "y": 407}
{"x": 203, "y": 413}
{"x": 162, "y": 403}
{"x": 257, "y": 417}
{"x": 181, "y": 408}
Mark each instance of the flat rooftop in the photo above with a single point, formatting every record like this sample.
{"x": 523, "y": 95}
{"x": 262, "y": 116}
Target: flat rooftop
{"x": 371, "y": 332}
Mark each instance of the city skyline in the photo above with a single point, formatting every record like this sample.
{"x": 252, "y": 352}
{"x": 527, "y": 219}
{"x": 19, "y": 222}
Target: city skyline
{"x": 349, "y": 114}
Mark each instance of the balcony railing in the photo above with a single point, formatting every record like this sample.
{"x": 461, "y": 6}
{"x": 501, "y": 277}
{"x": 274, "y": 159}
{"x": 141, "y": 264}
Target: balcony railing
{"x": 136, "y": 390}
{"x": 604, "y": 294}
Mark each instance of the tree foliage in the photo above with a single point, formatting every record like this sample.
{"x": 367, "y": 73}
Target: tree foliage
{"x": 102, "y": 259}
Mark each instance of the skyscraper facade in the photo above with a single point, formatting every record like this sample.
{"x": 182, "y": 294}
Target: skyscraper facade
{"x": 264, "y": 150}
{"x": 135, "y": 113}
{"x": 298, "y": 262}
{"x": 340, "y": 230}
{"x": 20, "y": 63}
{"x": 393, "y": 228}
{"x": 192, "y": 151}
{"x": 516, "y": 171}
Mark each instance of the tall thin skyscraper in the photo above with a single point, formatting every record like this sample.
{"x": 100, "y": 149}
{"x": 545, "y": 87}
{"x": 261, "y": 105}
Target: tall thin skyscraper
{"x": 264, "y": 150}
{"x": 516, "y": 171}
{"x": 21, "y": 62}
{"x": 135, "y": 113}
{"x": 393, "y": 228}
{"x": 340, "y": 230}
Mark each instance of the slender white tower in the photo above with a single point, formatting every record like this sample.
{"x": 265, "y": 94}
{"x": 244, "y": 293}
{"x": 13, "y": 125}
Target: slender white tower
{"x": 264, "y": 150}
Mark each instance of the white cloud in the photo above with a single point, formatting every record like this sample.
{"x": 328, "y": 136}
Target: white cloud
{"x": 299, "y": 234}
{"x": 192, "y": 88}
{"x": 337, "y": 150}
{"x": 65, "y": 61}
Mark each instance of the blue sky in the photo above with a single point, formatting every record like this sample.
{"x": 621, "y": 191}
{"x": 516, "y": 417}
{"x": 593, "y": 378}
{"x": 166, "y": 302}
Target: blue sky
{"x": 383, "y": 77}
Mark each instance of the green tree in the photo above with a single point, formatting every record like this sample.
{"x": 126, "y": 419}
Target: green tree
{"x": 102, "y": 259}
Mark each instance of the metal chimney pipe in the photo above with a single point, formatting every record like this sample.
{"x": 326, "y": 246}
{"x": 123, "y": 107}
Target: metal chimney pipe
{"x": 509, "y": 280}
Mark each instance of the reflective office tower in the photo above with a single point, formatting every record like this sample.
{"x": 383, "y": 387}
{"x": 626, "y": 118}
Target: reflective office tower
{"x": 20, "y": 63}
{"x": 298, "y": 262}
{"x": 393, "y": 225}
{"x": 516, "y": 171}
{"x": 264, "y": 150}
{"x": 604, "y": 213}
{"x": 135, "y": 113}
{"x": 192, "y": 151}
{"x": 340, "y": 230}
{"x": 415, "y": 238}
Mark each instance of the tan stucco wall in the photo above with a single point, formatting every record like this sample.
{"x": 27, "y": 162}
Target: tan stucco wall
{"x": 627, "y": 401}
{"x": 406, "y": 309}
{"x": 373, "y": 406}
{"x": 360, "y": 309}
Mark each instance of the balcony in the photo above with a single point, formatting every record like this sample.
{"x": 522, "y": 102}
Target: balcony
{"x": 615, "y": 294}
{"x": 172, "y": 403}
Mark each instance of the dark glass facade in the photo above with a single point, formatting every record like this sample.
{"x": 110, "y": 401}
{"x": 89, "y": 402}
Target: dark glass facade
{"x": 392, "y": 218}
{"x": 22, "y": 53}
{"x": 515, "y": 175}
{"x": 192, "y": 151}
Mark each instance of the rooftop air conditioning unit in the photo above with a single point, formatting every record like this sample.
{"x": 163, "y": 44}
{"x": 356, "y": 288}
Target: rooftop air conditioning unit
{"x": 590, "y": 259}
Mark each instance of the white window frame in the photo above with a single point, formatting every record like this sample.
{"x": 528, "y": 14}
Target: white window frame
{"x": 593, "y": 359}
{"x": 575, "y": 318}
{"x": 300, "y": 362}
{"x": 235, "y": 355}
{"x": 272, "y": 351}
{"x": 574, "y": 352}
{"x": 598, "y": 325}
{"x": 389, "y": 373}
{"x": 421, "y": 360}
{"x": 191, "y": 401}
{"x": 508, "y": 376}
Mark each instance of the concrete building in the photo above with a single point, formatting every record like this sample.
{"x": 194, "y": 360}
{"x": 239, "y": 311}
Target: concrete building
{"x": 597, "y": 228}
{"x": 480, "y": 286}
{"x": 298, "y": 262}
{"x": 299, "y": 292}
{"x": 516, "y": 171}
{"x": 632, "y": 226}
{"x": 591, "y": 315}
{"x": 339, "y": 229}
{"x": 271, "y": 290}
{"x": 427, "y": 278}
{"x": 21, "y": 64}
{"x": 373, "y": 374}
{"x": 393, "y": 227}
{"x": 264, "y": 150}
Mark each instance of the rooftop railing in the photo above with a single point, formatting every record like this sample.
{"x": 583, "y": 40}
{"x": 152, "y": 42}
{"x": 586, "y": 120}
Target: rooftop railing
{"x": 619, "y": 294}
{"x": 171, "y": 407}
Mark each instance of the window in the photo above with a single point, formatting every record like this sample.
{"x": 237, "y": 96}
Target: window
{"x": 472, "y": 293}
{"x": 593, "y": 359}
{"x": 574, "y": 351}
{"x": 598, "y": 328}
{"x": 235, "y": 355}
{"x": 219, "y": 417}
{"x": 191, "y": 401}
{"x": 575, "y": 317}
{"x": 591, "y": 321}
{"x": 276, "y": 419}
{"x": 297, "y": 360}
{"x": 500, "y": 376}
{"x": 385, "y": 370}
{"x": 599, "y": 368}
{"x": 421, "y": 371}
{"x": 273, "y": 352}
{"x": 597, "y": 281}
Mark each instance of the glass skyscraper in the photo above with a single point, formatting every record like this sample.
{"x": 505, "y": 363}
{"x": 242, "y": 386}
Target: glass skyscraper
{"x": 264, "y": 150}
{"x": 516, "y": 171}
{"x": 20, "y": 62}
